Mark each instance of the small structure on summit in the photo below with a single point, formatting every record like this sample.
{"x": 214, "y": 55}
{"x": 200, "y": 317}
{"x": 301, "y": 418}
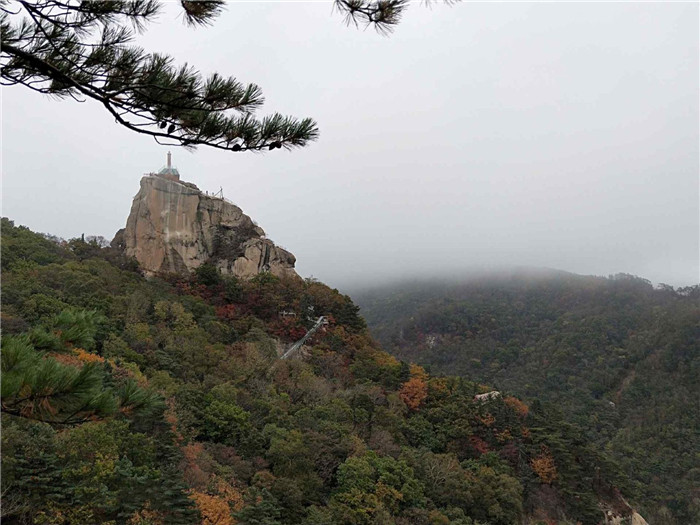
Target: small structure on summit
{"x": 168, "y": 171}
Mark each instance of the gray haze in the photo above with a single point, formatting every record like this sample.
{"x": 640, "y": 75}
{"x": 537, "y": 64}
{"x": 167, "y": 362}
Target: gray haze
{"x": 476, "y": 136}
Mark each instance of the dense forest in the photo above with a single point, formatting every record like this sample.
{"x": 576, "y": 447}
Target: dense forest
{"x": 618, "y": 356}
{"x": 163, "y": 401}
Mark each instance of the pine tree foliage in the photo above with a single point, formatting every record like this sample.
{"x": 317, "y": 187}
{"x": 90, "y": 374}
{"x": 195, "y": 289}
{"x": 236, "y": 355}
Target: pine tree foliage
{"x": 47, "y": 390}
{"x": 38, "y": 387}
{"x": 85, "y": 50}
{"x": 76, "y": 327}
{"x": 67, "y": 329}
{"x": 382, "y": 14}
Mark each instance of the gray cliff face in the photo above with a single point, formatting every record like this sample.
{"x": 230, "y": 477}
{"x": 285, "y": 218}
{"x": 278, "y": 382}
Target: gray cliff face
{"x": 174, "y": 227}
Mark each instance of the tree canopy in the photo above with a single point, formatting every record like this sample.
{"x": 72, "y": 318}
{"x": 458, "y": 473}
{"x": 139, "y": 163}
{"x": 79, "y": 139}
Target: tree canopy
{"x": 85, "y": 50}
{"x": 343, "y": 433}
{"x": 619, "y": 356}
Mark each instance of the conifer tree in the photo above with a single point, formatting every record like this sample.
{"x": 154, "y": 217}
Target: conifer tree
{"x": 84, "y": 49}
{"x": 38, "y": 387}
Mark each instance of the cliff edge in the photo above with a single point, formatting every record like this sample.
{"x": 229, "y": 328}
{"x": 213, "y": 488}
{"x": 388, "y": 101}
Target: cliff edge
{"x": 174, "y": 228}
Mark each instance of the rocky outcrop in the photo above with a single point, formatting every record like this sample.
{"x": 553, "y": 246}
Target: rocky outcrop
{"x": 615, "y": 508}
{"x": 549, "y": 507}
{"x": 616, "y": 519}
{"x": 174, "y": 228}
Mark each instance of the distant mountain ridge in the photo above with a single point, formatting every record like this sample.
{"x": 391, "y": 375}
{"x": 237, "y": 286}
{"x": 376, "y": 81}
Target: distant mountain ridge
{"x": 618, "y": 355}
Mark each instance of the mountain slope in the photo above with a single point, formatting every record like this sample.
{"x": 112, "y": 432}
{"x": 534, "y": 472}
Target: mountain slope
{"x": 345, "y": 434}
{"x": 617, "y": 356}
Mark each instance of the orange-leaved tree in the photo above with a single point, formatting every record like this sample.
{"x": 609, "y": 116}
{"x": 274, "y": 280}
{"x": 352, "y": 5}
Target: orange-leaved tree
{"x": 414, "y": 391}
{"x": 543, "y": 465}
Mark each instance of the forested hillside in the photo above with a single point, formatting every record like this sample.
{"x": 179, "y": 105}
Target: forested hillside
{"x": 163, "y": 401}
{"x": 616, "y": 355}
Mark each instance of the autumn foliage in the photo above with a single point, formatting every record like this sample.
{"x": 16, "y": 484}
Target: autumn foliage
{"x": 217, "y": 509}
{"x": 414, "y": 391}
{"x": 518, "y": 406}
{"x": 543, "y": 465}
{"x": 214, "y": 509}
{"x": 479, "y": 445}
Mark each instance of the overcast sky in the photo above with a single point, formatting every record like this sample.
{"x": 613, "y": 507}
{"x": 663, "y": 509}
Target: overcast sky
{"x": 476, "y": 136}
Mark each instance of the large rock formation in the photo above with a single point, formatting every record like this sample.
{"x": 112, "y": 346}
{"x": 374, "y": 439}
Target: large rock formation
{"x": 174, "y": 227}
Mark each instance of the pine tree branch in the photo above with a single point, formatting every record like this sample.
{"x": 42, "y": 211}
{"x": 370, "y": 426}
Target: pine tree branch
{"x": 144, "y": 93}
{"x": 308, "y": 130}
{"x": 79, "y": 48}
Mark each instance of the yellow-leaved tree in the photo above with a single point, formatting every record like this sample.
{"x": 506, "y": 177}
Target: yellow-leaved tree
{"x": 414, "y": 391}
